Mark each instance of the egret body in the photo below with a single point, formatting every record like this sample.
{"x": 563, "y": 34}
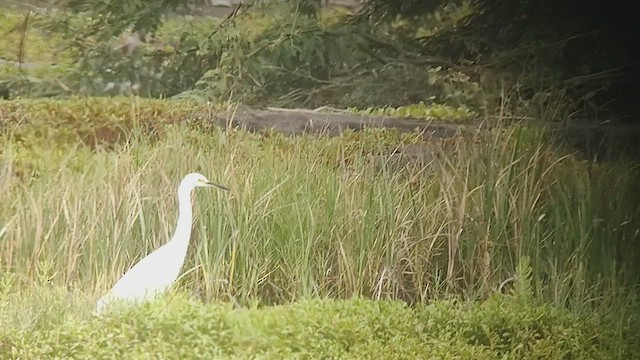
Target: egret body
{"x": 156, "y": 272}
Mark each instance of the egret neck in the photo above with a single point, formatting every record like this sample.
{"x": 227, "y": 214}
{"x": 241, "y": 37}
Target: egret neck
{"x": 182, "y": 235}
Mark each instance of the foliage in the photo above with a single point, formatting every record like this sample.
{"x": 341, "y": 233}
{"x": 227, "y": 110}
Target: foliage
{"x": 419, "y": 111}
{"x": 394, "y": 53}
{"x": 108, "y": 19}
{"x": 536, "y": 47}
{"x": 110, "y": 62}
{"x": 30, "y": 59}
{"x": 39, "y": 48}
{"x": 316, "y": 216}
{"x": 403, "y": 8}
{"x": 255, "y": 58}
{"x": 500, "y": 327}
{"x": 302, "y": 62}
{"x": 292, "y": 65}
{"x": 91, "y": 121}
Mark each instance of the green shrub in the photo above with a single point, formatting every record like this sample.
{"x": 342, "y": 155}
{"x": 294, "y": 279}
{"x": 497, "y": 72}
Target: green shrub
{"x": 420, "y": 111}
{"x": 83, "y": 118}
{"x": 499, "y": 327}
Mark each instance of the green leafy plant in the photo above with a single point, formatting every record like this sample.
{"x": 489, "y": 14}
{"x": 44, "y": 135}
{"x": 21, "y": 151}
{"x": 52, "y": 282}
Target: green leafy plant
{"x": 420, "y": 111}
{"x": 496, "y": 328}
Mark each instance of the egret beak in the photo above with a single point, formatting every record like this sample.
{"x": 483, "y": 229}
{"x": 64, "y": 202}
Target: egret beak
{"x": 209, "y": 183}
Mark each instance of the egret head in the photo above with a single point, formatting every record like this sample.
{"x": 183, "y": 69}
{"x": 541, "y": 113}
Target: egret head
{"x": 194, "y": 180}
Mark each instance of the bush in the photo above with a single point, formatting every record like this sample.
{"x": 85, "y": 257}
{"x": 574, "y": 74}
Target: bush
{"x": 45, "y": 131}
{"x": 177, "y": 327}
{"x": 92, "y": 121}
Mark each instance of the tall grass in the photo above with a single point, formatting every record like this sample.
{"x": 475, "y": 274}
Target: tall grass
{"x": 326, "y": 217}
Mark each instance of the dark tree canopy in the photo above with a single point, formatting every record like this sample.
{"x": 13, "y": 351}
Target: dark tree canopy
{"x": 598, "y": 40}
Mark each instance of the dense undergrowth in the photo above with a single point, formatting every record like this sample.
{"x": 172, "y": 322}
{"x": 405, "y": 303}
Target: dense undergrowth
{"x": 47, "y": 321}
{"x": 310, "y": 217}
{"x": 501, "y": 327}
{"x": 87, "y": 187}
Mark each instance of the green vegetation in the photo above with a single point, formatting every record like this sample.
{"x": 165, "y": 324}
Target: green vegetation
{"x": 33, "y": 46}
{"x": 497, "y": 243}
{"x": 45, "y": 321}
{"x": 501, "y": 327}
{"x": 419, "y": 111}
{"x": 308, "y": 217}
{"x": 262, "y": 56}
{"x": 315, "y": 216}
{"x": 464, "y": 54}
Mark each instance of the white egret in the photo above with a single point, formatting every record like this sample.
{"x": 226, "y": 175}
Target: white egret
{"x": 155, "y": 273}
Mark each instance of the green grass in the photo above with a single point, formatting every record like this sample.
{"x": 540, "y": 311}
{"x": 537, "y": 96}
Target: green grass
{"x": 312, "y": 216}
{"x": 306, "y": 217}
